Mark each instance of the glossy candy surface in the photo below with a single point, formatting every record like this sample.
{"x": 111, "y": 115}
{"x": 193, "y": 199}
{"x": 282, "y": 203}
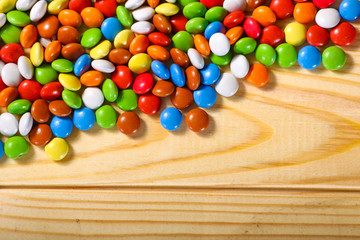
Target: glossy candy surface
{"x": 197, "y": 120}
{"x": 83, "y": 118}
{"x": 309, "y": 57}
{"x": 171, "y": 118}
{"x": 128, "y": 123}
{"x": 317, "y": 36}
{"x": 205, "y": 96}
{"x": 333, "y": 58}
{"x": 57, "y": 149}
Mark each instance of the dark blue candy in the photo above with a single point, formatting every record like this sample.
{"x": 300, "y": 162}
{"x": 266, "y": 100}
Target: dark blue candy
{"x": 160, "y": 70}
{"x": 110, "y": 28}
{"x": 61, "y": 126}
{"x": 171, "y": 118}
{"x": 82, "y": 64}
{"x": 209, "y": 74}
{"x": 1, "y": 148}
{"x": 350, "y": 10}
{"x": 84, "y": 118}
{"x": 177, "y": 75}
{"x": 309, "y": 57}
{"x": 213, "y": 28}
{"x": 205, "y": 96}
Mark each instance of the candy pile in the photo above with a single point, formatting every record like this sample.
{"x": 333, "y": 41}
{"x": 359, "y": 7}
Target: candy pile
{"x": 68, "y": 63}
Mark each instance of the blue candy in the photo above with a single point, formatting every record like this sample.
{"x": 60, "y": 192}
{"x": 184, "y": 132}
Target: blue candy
{"x": 1, "y": 148}
{"x": 160, "y": 70}
{"x": 110, "y": 28}
{"x": 350, "y": 9}
{"x": 209, "y": 74}
{"x": 82, "y": 64}
{"x": 61, "y": 126}
{"x": 177, "y": 75}
{"x": 309, "y": 57}
{"x": 84, "y": 118}
{"x": 171, "y": 118}
{"x": 205, "y": 96}
{"x": 213, "y": 28}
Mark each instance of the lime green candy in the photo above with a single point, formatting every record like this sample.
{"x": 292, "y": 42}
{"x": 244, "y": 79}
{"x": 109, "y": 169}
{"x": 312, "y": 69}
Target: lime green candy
{"x": 221, "y": 60}
{"x": 245, "y": 46}
{"x": 127, "y": 100}
{"x": 106, "y": 116}
{"x": 333, "y": 58}
{"x": 194, "y": 9}
{"x": 62, "y": 65}
{"x": 186, "y": 2}
{"x": 91, "y": 37}
{"x": 265, "y": 54}
{"x": 18, "y": 18}
{"x": 110, "y": 90}
{"x": 216, "y": 14}
{"x": 19, "y": 106}
{"x": 286, "y": 55}
{"x": 72, "y": 99}
{"x": 183, "y": 40}
{"x": 45, "y": 74}
{"x": 15, "y": 147}
{"x": 10, "y": 34}
{"x": 196, "y": 25}
{"x": 124, "y": 16}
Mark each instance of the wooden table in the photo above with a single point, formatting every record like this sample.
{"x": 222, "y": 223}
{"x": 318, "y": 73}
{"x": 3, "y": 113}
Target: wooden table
{"x": 279, "y": 162}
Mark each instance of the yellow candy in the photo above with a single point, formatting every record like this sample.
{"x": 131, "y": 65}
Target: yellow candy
{"x": 37, "y": 54}
{"x": 140, "y": 63}
{"x": 295, "y": 33}
{"x": 69, "y": 81}
{"x": 167, "y": 9}
{"x": 6, "y": 5}
{"x": 57, "y": 5}
{"x": 57, "y": 149}
{"x": 101, "y": 50}
{"x": 124, "y": 38}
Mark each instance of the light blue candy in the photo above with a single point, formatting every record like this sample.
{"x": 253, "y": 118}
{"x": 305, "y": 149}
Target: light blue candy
{"x": 177, "y": 75}
{"x": 82, "y": 64}
{"x": 84, "y": 118}
{"x": 160, "y": 70}
{"x": 309, "y": 57}
{"x": 171, "y": 118}
{"x": 350, "y": 10}
{"x": 209, "y": 74}
{"x": 61, "y": 126}
{"x": 110, "y": 28}
{"x": 205, "y": 96}
{"x": 1, "y": 148}
{"x": 213, "y": 28}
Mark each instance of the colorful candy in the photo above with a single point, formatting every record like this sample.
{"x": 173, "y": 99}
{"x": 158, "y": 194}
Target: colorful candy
{"x": 309, "y": 57}
{"x": 171, "y": 118}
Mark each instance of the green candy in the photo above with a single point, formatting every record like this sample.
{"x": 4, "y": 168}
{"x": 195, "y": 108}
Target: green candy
{"x": 127, "y": 100}
{"x": 15, "y": 147}
{"x": 72, "y": 99}
{"x": 183, "y": 40}
{"x": 333, "y": 58}
{"x": 245, "y": 46}
{"x": 62, "y": 65}
{"x": 196, "y": 25}
{"x": 18, "y": 18}
{"x": 216, "y": 14}
{"x": 124, "y": 16}
{"x": 186, "y": 2}
{"x": 91, "y": 37}
{"x": 106, "y": 116}
{"x": 286, "y": 55}
{"x": 265, "y": 54}
{"x": 10, "y": 34}
{"x": 194, "y": 9}
{"x": 19, "y": 106}
{"x": 221, "y": 60}
{"x": 45, "y": 74}
{"x": 110, "y": 90}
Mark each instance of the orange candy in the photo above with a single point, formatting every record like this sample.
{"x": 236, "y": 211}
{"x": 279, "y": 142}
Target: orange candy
{"x": 258, "y": 75}
{"x": 92, "y": 17}
{"x": 234, "y": 34}
{"x": 72, "y": 51}
{"x": 48, "y": 27}
{"x": 8, "y": 95}
{"x": 202, "y": 44}
{"x": 68, "y": 34}
{"x": 52, "y": 51}
{"x": 162, "y": 24}
{"x": 68, "y": 17}
{"x": 305, "y": 12}
{"x": 92, "y": 78}
{"x": 153, "y": 3}
{"x": 28, "y": 36}
{"x": 158, "y": 53}
{"x": 139, "y": 44}
{"x": 264, "y": 15}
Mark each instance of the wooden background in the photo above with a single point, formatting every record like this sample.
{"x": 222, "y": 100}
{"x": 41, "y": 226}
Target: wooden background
{"x": 279, "y": 162}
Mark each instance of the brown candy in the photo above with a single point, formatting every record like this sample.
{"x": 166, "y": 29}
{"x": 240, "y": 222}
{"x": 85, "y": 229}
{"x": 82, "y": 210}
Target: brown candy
{"x": 119, "y": 56}
{"x": 128, "y": 123}
{"x": 48, "y": 27}
{"x": 28, "y": 36}
{"x": 197, "y": 120}
{"x": 72, "y": 51}
{"x": 8, "y": 95}
{"x": 52, "y": 51}
{"x": 40, "y": 134}
{"x": 163, "y": 88}
{"x": 158, "y": 53}
{"x": 182, "y": 98}
{"x": 255, "y": 3}
{"x": 162, "y": 24}
{"x": 68, "y": 34}
{"x": 40, "y": 111}
{"x": 59, "y": 108}
{"x": 192, "y": 78}
{"x": 179, "y": 57}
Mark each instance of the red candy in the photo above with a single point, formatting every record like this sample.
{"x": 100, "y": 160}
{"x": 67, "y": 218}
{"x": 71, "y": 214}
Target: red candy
{"x": 2, "y": 85}
{"x": 317, "y": 36}
{"x": 233, "y": 19}
{"x": 343, "y": 34}
{"x": 159, "y": 38}
{"x": 29, "y": 90}
{"x": 11, "y": 52}
{"x": 272, "y": 35}
{"x": 323, "y": 3}
{"x": 122, "y": 77}
{"x": 282, "y": 8}
{"x": 149, "y": 103}
{"x": 252, "y": 28}
{"x": 178, "y": 23}
{"x": 51, "y": 91}
{"x": 212, "y": 3}
{"x": 143, "y": 83}
{"x": 79, "y": 5}
{"x": 107, "y": 7}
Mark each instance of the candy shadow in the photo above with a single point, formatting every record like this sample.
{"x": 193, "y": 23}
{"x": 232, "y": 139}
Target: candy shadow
{"x": 211, "y": 130}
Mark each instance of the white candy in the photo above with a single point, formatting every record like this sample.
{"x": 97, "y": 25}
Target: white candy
{"x": 234, "y": 5}
{"x": 26, "y": 68}
{"x": 9, "y": 124}
{"x": 44, "y": 42}
{"x": 10, "y": 75}
{"x": 143, "y": 13}
{"x": 134, "y": 4}
{"x": 24, "y": 5}
{"x": 2, "y": 19}
{"x": 170, "y": 1}
{"x": 142, "y": 27}
{"x": 219, "y": 44}
{"x": 102, "y": 65}
{"x": 25, "y": 124}
{"x": 327, "y": 17}
{"x": 239, "y": 66}
{"x": 93, "y": 97}
{"x": 195, "y": 58}
{"x": 2, "y": 64}
{"x": 38, "y": 11}
{"x": 227, "y": 85}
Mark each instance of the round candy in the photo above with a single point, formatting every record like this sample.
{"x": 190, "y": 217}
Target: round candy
{"x": 92, "y": 78}
{"x": 83, "y": 118}
{"x": 317, "y": 36}
{"x": 140, "y": 63}
{"x": 205, "y": 96}
{"x": 295, "y": 33}
{"x": 149, "y": 103}
{"x": 309, "y": 57}
{"x": 183, "y": 40}
{"x": 234, "y": 34}
{"x": 221, "y": 60}
{"x": 305, "y": 12}
{"x": 1, "y": 149}
{"x": 158, "y": 53}
{"x": 323, "y": 3}
{"x": 143, "y": 83}
{"x": 143, "y": 13}
{"x": 209, "y": 74}
{"x": 124, "y": 16}
{"x": 90, "y": 37}
{"x": 68, "y": 17}
{"x": 92, "y": 97}
{"x": 8, "y": 95}
{"x": 103, "y": 65}
{"x": 264, "y": 15}
{"x": 194, "y": 9}
{"x": 122, "y": 77}
{"x": 19, "y": 106}
{"x": 92, "y": 17}
{"x": 343, "y": 34}
{"x": 227, "y": 85}
{"x": 9, "y": 124}
{"x": 107, "y": 7}
{"x": 40, "y": 134}
{"x": 272, "y": 35}
{"x": 234, "y": 5}
{"x": 333, "y": 58}
{"x": 171, "y": 118}
{"x": 282, "y": 8}
{"x": 213, "y": 28}
{"x": 245, "y": 46}
{"x": 179, "y": 57}
{"x": 82, "y": 64}
{"x": 40, "y": 111}
{"x": 61, "y": 126}
{"x": 26, "y": 68}
{"x": 11, "y": 52}
{"x": 48, "y": 27}
{"x": 327, "y": 18}
{"x": 233, "y": 19}
{"x": 159, "y": 38}
{"x": 195, "y": 58}
{"x": 197, "y": 120}
{"x": 216, "y": 13}
{"x": 160, "y": 70}
{"x": 178, "y": 23}
{"x": 212, "y": 3}
{"x": 142, "y": 27}
{"x": 265, "y": 54}
{"x": 25, "y": 124}
{"x": 350, "y": 9}
{"x": 10, "y": 75}
{"x": 258, "y": 75}
{"x": 163, "y": 88}
{"x": 110, "y": 28}
{"x": 128, "y": 123}
{"x": 239, "y": 66}
{"x": 57, "y": 149}
{"x": 219, "y": 44}
{"x": 59, "y": 108}
{"x": 106, "y": 116}
{"x": 127, "y": 100}
{"x": 15, "y": 147}
{"x": 286, "y": 55}
{"x": 29, "y": 90}
{"x": 181, "y": 98}
{"x": 252, "y": 28}
{"x": 177, "y": 75}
